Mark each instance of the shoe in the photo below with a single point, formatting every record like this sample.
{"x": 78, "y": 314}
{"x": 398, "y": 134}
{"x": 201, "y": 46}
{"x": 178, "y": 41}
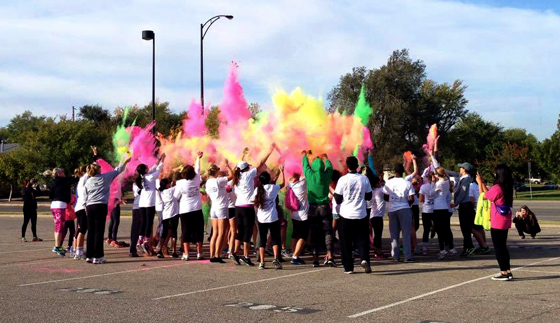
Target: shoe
{"x": 533, "y": 237}
{"x": 411, "y": 260}
{"x": 286, "y": 253}
{"x": 99, "y": 261}
{"x": 331, "y": 263}
{"x": 60, "y": 251}
{"x": 261, "y": 266}
{"x": 25, "y": 240}
{"x": 220, "y": 260}
{"x": 464, "y": 253}
{"x": 484, "y": 251}
{"x": 133, "y": 255}
{"x": 185, "y": 257}
{"x": 213, "y": 260}
{"x": 269, "y": 251}
{"x": 471, "y": 251}
{"x": 72, "y": 252}
{"x": 522, "y": 237}
{"x": 453, "y": 252}
{"x": 348, "y": 272}
{"x": 79, "y": 254}
{"x": 442, "y": 254}
{"x": 277, "y": 264}
{"x": 501, "y": 276}
{"x": 139, "y": 248}
{"x": 366, "y": 267}
{"x": 235, "y": 258}
{"x": 123, "y": 244}
{"x": 510, "y": 276}
{"x": 297, "y": 261}
{"x": 355, "y": 253}
{"x": 424, "y": 251}
{"x": 108, "y": 241}
{"x": 200, "y": 257}
{"x": 315, "y": 264}
{"x": 89, "y": 260}
{"x": 247, "y": 261}
{"x": 174, "y": 255}
{"x": 115, "y": 244}
{"x": 146, "y": 248}
{"x": 160, "y": 254}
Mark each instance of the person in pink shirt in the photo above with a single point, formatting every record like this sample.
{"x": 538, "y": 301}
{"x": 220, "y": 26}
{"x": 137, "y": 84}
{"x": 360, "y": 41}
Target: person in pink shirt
{"x": 501, "y": 196}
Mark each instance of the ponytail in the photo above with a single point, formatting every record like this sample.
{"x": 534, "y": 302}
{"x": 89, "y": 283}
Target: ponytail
{"x": 141, "y": 171}
{"x": 236, "y": 176}
{"x": 264, "y": 179}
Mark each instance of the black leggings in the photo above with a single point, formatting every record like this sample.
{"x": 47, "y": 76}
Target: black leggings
{"x": 442, "y": 223}
{"x": 274, "y": 229}
{"x": 415, "y": 216}
{"x": 29, "y": 215}
{"x": 170, "y": 224}
{"x": 137, "y": 222}
{"x": 499, "y": 239}
{"x": 97, "y": 216}
{"x": 82, "y": 221}
{"x": 245, "y": 216}
{"x": 348, "y": 230}
{"x": 377, "y": 225}
{"x": 427, "y": 224}
{"x": 114, "y": 223}
{"x": 148, "y": 213}
{"x": 192, "y": 226}
{"x": 69, "y": 225}
{"x": 466, "y": 221}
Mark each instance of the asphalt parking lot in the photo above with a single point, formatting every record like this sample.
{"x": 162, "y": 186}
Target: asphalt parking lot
{"x": 37, "y": 285}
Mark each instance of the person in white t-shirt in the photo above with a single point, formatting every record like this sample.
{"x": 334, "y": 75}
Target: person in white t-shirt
{"x": 219, "y": 214}
{"x": 159, "y": 212}
{"x": 169, "y": 215}
{"x": 137, "y": 223}
{"x": 232, "y": 219}
{"x": 244, "y": 185}
{"x": 187, "y": 190}
{"x": 400, "y": 195}
{"x": 267, "y": 215}
{"x": 351, "y": 193}
{"x": 427, "y": 199}
{"x": 300, "y": 223}
{"x": 146, "y": 181}
{"x": 441, "y": 217}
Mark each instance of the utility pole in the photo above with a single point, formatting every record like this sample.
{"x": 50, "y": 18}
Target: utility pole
{"x": 73, "y": 113}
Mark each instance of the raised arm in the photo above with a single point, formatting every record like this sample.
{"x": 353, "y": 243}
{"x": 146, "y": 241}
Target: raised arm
{"x": 244, "y": 154}
{"x": 230, "y": 170}
{"x": 305, "y": 163}
{"x": 370, "y": 162}
{"x": 328, "y": 164}
{"x": 481, "y": 185}
{"x": 197, "y": 162}
{"x": 283, "y": 182}
{"x": 414, "y": 165}
{"x": 265, "y": 158}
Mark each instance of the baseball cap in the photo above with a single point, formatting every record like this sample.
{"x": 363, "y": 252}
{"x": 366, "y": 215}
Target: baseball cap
{"x": 242, "y": 165}
{"x": 468, "y": 167}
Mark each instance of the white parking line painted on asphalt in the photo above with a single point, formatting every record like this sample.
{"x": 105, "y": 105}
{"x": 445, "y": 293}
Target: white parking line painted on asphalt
{"x": 101, "y": 275}
{"x": 240, "y": 284}
{"x": 440, "y": 290}
{"x": 541, "y": 271}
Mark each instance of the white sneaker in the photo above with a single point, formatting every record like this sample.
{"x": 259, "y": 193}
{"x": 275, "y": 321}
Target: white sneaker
{"x": 79, "y": 254}
{"x": 90, "y": 260}
{"x": 99, "y": 261}
{"x": 442, "y": 254}
{"x": 185, "y": 257}
{"x": 453, "y": 252}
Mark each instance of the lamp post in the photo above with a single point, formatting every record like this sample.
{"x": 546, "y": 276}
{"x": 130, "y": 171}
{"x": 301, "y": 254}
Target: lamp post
{"x": 150, "y": 35}
{"x": 202, "y": 34}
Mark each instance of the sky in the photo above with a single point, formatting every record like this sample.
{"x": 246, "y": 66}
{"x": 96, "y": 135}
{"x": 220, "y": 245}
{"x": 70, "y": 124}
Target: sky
{"x": 57, "y": 54}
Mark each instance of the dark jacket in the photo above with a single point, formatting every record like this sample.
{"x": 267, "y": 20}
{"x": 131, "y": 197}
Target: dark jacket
{"x": 30, "y": 198}
{"x": 61, "y": 188}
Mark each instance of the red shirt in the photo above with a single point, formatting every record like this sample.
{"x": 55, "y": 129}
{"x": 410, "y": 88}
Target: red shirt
{"x": 496, "y": 196}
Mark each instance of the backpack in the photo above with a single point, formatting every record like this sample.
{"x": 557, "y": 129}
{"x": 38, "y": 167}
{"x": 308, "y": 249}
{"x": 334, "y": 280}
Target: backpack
{"x": 291, "y": 201}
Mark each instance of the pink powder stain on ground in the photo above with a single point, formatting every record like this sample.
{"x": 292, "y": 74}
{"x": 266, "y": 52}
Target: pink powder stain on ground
{"x": 52, "y": 270}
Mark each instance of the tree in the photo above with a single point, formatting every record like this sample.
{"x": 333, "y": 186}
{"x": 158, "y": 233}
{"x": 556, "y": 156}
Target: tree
{"x": 255, "y": 109}
{"x": 212, "y": 122}
{"x": 405, "y": 104}
{"x": 548, "y": 155}
{"x": 22, "y": 123}
{"x": 95, "y": 113}
{"x": 165, "y": 118}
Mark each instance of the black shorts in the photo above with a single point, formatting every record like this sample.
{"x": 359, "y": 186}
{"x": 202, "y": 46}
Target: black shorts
{"x": 192, "y": 226}
{"x": 300, "y": 229}
{"x": 231, "y": 213}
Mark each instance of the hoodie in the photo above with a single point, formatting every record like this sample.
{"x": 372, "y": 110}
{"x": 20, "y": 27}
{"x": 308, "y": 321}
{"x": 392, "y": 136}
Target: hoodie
{"x": 318, "y": 177}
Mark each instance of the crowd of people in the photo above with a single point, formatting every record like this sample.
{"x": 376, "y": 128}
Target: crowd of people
{"x": 327, "y": 207}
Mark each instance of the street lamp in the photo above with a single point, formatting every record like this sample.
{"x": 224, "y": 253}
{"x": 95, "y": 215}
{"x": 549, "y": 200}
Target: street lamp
{"x": 150, "y": 35}
{"x": 202, "y": 34}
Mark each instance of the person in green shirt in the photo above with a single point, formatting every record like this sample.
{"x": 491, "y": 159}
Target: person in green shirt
{"x": 318, "y": 176}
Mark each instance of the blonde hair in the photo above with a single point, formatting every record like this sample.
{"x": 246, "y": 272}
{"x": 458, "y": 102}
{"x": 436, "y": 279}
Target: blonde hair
{"x": 56, "y": 172}
{"x": 93, "y": 169}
